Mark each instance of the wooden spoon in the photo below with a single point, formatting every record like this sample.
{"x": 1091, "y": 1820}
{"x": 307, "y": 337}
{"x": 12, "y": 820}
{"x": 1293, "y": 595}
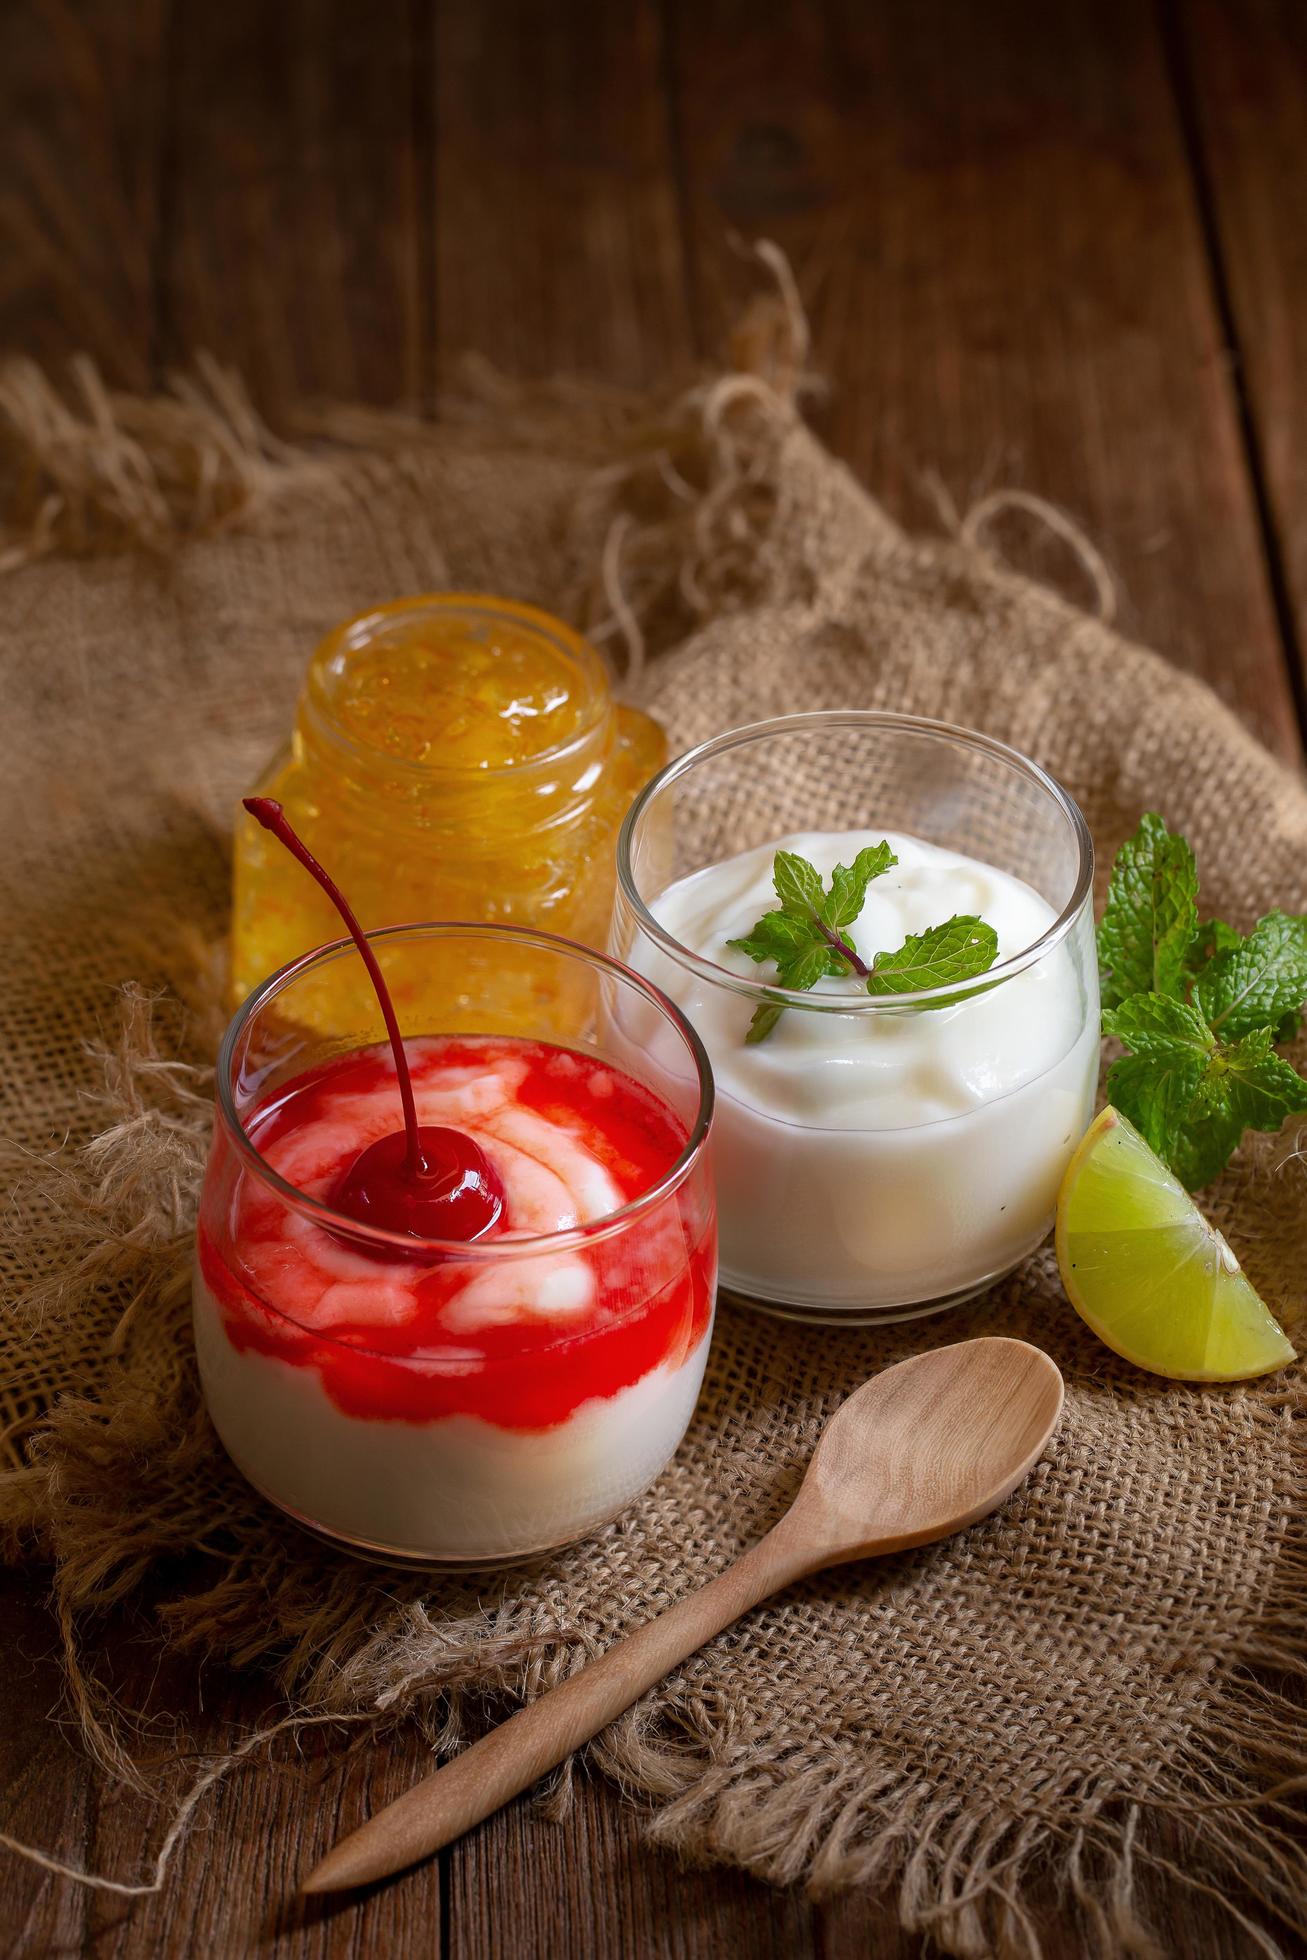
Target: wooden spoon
{"x": 924, "y": 1449}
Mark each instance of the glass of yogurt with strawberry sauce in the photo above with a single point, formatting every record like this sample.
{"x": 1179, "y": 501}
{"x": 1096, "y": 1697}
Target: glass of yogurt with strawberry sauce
{"x": 877, "y": 1156}
{"x": 458, "y": 1401}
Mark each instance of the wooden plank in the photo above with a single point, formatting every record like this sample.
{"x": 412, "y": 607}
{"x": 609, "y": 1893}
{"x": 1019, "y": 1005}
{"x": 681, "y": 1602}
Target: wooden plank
{"x": 990, "y": 211}
{"x": 282, "y": 187}
{"x": 1243, "y": 74}
{"x": 558, "y": 244}
{"x": 520, "y": 1886}
{"x": 592, "y": 1890}
{"x": 44, "y": 1787}
{"x": 230, "y": 1888}
{"x": 599, "y": 287}
{"x": 79, "y": 181}
{"x": 296, "y": 233}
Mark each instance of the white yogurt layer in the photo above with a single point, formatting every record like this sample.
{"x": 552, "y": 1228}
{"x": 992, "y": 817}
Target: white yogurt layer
{"x": 455, "y": 1488}
{"x": 877, "y": 1160}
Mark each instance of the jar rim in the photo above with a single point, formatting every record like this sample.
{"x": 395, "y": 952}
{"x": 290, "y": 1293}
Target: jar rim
{"x": 486, "y": 1251}
{"x": 764, "y": 992}
{"x": 354, "y": 633}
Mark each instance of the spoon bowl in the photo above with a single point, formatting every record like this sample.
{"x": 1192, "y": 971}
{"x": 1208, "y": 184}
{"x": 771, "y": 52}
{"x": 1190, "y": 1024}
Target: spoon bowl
{"x": 924, "y": 1449}
{"x": 929, "y": 1446}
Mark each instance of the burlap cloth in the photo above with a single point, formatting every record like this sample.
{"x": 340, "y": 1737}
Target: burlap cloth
{"x": 947, "y": 1723}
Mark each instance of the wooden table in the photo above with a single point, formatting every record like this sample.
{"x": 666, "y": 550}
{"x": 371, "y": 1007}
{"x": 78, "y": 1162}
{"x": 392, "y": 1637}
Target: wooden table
{"x": 1058, "y": 244}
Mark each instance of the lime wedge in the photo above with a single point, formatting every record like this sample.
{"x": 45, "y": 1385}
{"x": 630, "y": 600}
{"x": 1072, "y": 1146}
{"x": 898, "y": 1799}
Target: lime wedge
{"x": 1144, "y": 1269}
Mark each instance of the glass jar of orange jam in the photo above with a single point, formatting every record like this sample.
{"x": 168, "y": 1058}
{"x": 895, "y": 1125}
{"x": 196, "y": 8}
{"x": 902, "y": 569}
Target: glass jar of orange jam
{"x": 454, "y": 757}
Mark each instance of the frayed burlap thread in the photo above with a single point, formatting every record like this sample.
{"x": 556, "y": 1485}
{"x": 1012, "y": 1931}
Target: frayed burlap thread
{"x": 1126, "y": 1638}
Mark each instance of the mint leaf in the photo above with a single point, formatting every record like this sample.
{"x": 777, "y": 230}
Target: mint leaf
{"x": 1217, "y": 937}
{"x": 1154, "y": 1023}
{"x": 849, "y": 882}
{"x": 806, "y": 967}
{"x": 959, "y": 950}
{"x": 1151, "y": 916}
{"x": 1156, "y": 1085}
{"x": 800, "y": 970}
{"x": 798, "y": 885}
{"x": 1190, "y": 1095}
{"x": 1247, "y": 1086}
{"x": 1259, "y": 1086}
{"x": 777, "y": 936}
{"x": 1202, "y": 1146}
{"x": 1214, "y": 937}
{"x": 1157, "y": 1093}
{"x": 764, "y": 1020}
{"x": 1258, "y": 982}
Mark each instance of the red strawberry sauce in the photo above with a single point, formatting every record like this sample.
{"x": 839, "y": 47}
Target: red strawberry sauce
{"x": 520, "y": 1341}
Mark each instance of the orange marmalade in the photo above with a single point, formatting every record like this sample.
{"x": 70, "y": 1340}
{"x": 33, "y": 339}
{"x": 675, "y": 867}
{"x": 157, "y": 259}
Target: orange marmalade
{"x": 454, "y": 757}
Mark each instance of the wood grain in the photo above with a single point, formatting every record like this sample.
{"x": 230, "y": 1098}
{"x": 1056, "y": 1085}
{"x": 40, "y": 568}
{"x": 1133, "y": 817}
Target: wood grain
{"x": 296, "y": 233}
{"x": 593, "y": 1890}
{"x": 230, "y": 1889}
{"x": 991, "y": 211}
{"x": 523, "y": 1887}
{"x": 994, "y": 212}
{"x": 80, "y": 136}
{"x": 558, "y": 244}
{"x": 1244, "y": 71}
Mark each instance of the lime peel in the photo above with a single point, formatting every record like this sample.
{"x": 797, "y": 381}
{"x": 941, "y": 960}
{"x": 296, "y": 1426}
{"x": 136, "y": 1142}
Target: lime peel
{"x": 1147, "y": 1272}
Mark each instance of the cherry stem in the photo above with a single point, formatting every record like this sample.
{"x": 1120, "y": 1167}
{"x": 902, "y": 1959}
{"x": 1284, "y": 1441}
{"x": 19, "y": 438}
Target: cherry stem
{"x": 267, "y": 811}
{"x": 842, "y": 946}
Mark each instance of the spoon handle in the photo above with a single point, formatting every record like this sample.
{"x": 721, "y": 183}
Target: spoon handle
{"x": 535, "y": 1740}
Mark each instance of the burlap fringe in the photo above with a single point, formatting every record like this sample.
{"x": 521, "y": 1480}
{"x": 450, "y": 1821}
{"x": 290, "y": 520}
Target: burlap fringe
{"x": 98, "y": 469}
{"x": 684, "y": 510}
{"x": 684, "y": 520}
{"x": 963, "y": 1874}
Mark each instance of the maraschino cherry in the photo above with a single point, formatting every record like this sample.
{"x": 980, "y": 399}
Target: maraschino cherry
{"x": 424, "y": 1181}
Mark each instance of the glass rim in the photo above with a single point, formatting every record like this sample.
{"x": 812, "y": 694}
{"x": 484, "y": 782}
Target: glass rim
{"x": 486, "y": 1250}
{"x": 351, "y": 634}
{"x": 763, "y": 992}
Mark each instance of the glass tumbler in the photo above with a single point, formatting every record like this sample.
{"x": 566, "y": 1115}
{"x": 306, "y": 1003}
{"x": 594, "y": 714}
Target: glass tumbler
{"x": 450, "y": 1403}
{"x": 876, "y": 1157}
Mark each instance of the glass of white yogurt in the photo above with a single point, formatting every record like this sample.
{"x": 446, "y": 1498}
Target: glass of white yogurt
{"x": 876, "y": 1157}
{"x": 480, "y": 1399}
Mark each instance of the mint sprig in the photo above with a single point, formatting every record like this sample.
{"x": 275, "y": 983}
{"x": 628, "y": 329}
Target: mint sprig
{"x": 1200, "y": 1008}
{"x": 806, "y": 937}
